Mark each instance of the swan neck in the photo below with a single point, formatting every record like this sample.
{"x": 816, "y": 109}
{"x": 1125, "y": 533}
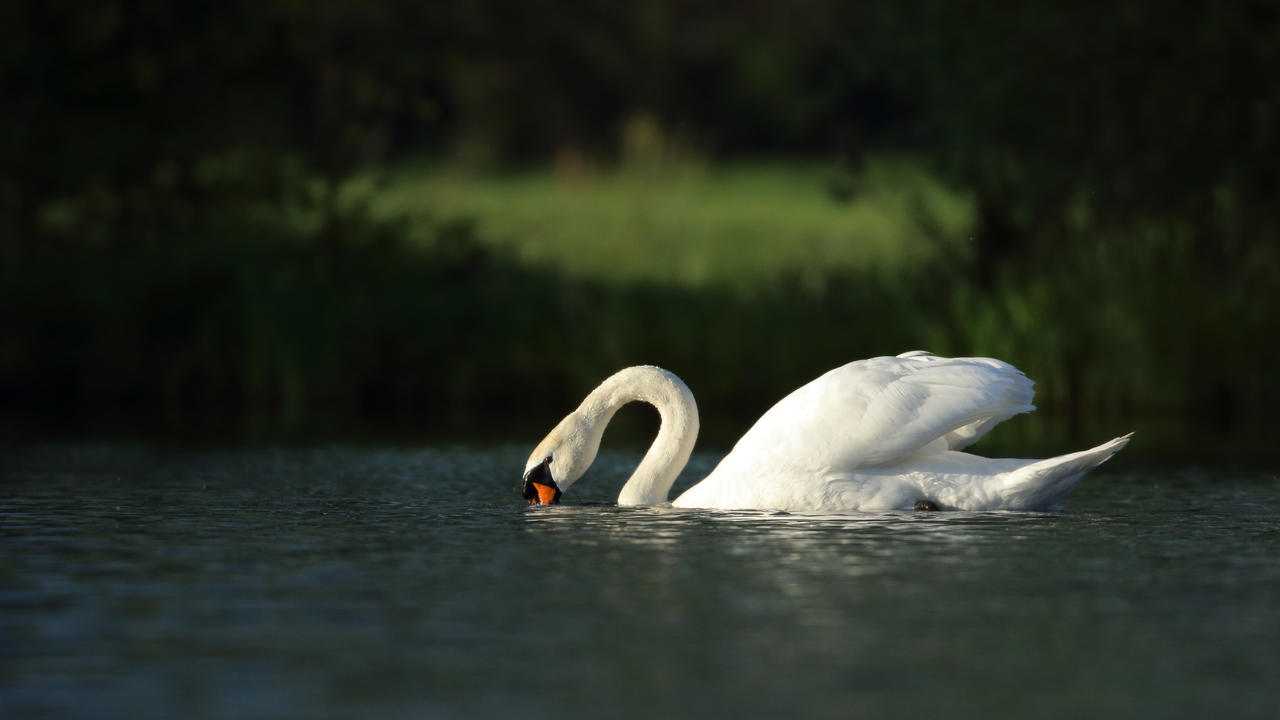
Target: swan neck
{"x": 652, "y": 479}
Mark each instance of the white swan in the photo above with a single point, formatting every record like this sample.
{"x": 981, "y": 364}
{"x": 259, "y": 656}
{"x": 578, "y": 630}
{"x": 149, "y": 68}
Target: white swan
{"x": 877, "y": 434}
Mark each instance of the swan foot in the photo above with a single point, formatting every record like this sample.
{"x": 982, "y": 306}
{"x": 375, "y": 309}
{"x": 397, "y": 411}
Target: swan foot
{"x": 925, "y": 506}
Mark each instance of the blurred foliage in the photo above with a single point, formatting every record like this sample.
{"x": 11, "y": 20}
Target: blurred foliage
{"x": 187, "y": 218}
{"x": 680, "y": 222}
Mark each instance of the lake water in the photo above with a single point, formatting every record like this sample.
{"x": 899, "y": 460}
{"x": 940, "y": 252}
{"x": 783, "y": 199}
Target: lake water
{"x": 358, "y": 582}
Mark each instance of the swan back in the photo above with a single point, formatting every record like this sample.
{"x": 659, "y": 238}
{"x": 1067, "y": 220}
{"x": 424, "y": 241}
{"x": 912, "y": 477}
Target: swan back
{"x": 879, "y": 411}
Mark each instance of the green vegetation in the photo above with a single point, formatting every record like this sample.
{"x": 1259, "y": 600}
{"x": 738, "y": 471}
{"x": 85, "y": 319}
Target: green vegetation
{"x": 466, "y": 212}
{"x": 696, "y": 225}
{"x": 322, "y": 308}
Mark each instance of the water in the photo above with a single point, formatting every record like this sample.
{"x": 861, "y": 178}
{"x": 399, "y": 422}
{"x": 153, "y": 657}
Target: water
{"x": 413, "y": 583}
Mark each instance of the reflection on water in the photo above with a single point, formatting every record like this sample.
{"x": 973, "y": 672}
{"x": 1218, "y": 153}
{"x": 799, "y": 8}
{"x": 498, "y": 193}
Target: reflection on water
{"x": 352, "y": 582}
{"x": 807, "y": 564}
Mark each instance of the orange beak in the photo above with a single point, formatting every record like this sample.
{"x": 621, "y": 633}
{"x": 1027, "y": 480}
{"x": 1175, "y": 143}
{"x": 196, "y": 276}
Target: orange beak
{"x": 546, "y": 494}
{"x": 539, "y": 487}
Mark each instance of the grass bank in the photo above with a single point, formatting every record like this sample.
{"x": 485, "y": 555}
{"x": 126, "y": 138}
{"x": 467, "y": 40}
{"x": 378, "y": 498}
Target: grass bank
{"x": 692, "y": 225}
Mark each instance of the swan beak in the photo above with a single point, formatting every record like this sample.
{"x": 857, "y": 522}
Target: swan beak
{"x": 539, "y": 487}
{"x": 543, "y": 494}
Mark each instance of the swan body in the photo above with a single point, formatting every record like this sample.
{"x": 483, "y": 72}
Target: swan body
{"x": 876, "y": 434}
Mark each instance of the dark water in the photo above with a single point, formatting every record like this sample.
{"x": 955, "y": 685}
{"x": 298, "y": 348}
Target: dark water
{"x": 413, "y": 583}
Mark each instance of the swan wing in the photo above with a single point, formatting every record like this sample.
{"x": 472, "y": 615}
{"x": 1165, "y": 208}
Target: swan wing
{"x": 880, "y": 411}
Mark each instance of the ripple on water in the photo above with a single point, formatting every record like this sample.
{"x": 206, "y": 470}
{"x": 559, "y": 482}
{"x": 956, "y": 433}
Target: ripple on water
{"x": 353, "y": 581}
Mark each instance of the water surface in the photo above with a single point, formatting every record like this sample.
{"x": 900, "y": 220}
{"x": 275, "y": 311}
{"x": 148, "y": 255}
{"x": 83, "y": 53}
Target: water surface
{"x": 358, "y": 582}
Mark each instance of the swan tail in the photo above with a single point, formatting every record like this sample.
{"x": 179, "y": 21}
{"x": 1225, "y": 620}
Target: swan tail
{"x": 1042, "y": 485}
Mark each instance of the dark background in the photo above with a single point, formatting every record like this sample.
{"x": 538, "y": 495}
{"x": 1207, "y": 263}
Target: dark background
{"x": 178, "y": 256}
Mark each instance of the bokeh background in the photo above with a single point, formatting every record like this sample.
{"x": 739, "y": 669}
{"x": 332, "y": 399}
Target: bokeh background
{"x": 280, "y": 218}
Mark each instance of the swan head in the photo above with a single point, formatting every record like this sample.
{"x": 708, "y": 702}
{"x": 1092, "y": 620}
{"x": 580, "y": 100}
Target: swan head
{"x": 560, "y": 459}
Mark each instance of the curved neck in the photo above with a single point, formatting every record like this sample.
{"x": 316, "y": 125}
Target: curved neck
{"x": 678, "y": 432}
